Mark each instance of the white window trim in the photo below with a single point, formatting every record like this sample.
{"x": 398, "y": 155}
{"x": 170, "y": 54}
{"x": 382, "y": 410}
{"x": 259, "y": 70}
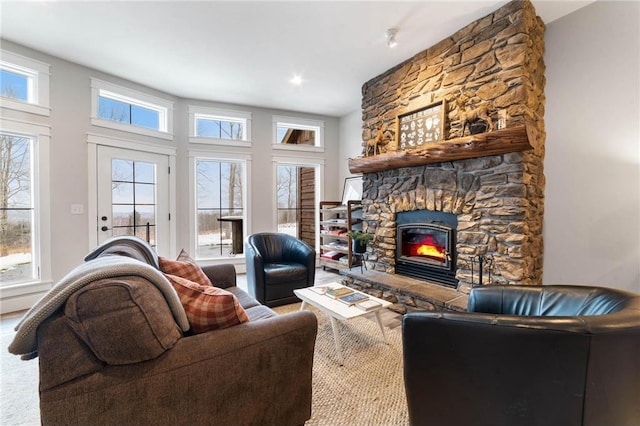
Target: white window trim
{"x": 22, "y": 295}
{"x": 93, "y": 140}
{"x": 38, "y": 72}
{"x": 318, "y": 164}
{"x": 299, "y": 123}
{"x": 113, "y": 91}
{"x": 238, "y": 261}
{"x": 223, "y": 114}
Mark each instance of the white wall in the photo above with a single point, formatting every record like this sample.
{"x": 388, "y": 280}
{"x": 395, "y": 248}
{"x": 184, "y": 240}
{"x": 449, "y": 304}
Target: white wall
{"x": 592, "y": 163}
{"x": 350, "y": 142}
{"x": 70, "y": 123}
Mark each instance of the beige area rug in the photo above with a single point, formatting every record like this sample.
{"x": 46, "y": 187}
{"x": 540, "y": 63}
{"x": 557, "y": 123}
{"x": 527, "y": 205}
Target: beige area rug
{"x": 19, "y": 403}
{"x": 369, "y": 388}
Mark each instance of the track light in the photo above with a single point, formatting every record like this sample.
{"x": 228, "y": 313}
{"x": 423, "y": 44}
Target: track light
{"x": 391, "y": 37}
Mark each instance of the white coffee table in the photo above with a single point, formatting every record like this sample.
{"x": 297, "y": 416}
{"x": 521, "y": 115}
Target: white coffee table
{"x": 337, "y": 310}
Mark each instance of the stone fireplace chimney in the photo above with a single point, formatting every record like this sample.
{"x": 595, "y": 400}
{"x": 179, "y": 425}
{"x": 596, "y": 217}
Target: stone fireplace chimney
{"x": 498, "y": 200}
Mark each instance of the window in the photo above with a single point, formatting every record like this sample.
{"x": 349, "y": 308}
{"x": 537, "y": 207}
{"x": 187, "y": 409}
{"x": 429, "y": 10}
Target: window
{"x": 296, "y": 201}
{"x": 16, "y": 85}
{"x": 297, "y": 133}
{"x": 125, "y": 109}
{"x": 110, "y": 108}
{"x": 219, "y": 199}
{"x": 24, "y": 83}
{"x": 23, "y": 213}
{"x": 219, "y": 126}
{"x": 133, "y": 186}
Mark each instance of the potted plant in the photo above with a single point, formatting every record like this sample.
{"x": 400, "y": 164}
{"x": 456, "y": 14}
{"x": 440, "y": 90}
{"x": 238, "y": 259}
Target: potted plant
{"x": 359, "y": 240}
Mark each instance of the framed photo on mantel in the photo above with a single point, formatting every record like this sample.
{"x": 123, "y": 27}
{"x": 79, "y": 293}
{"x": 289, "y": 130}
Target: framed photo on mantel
{"x": 421, "y": 126}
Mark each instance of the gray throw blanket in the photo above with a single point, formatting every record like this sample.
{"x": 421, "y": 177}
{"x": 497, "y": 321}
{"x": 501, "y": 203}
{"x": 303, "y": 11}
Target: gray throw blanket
{"x": 25, "y": 342}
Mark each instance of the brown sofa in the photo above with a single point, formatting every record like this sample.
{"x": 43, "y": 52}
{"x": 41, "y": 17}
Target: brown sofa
{"x": 114, "y": 355}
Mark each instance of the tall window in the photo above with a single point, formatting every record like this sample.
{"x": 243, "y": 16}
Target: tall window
{"x": 219, "y": 207}
{"x": 128, "y": 110}
{"x": 295, "y": 192}
{"x": 17, "y": 213}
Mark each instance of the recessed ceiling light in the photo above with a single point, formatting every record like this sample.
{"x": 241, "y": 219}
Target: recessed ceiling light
{"x": 391, "y": 37}
{"x": 296, "y": 80}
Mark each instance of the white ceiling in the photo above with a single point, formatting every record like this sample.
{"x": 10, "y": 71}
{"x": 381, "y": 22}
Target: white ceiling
{"x": 245, "y": 52}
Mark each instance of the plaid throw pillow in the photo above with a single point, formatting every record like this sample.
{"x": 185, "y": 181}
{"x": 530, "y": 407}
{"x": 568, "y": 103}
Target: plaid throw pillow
{"x": 207, "y": 307}
{"x": 184, "y": 267}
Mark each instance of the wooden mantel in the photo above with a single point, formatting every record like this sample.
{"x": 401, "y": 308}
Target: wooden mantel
{"x": 511, "y": 139}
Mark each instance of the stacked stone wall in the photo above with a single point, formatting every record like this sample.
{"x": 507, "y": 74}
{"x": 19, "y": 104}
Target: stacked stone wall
{"x": 495, "y": 61}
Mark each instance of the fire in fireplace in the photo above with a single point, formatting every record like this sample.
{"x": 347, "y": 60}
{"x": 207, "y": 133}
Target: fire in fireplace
{"x": 425, "y": 246}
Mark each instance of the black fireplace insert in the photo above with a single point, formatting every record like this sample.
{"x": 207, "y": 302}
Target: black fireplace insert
{"x": 425, "y": 246}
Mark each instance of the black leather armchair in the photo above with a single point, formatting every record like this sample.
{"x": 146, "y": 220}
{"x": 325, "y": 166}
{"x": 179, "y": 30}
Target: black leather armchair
{"x": 526, "y": 355}
{"x": 277, "y": 264}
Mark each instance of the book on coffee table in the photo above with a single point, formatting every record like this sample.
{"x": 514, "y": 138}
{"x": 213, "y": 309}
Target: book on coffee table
{"x": 353, "y": 298}
{"x": 322, "y": 289}
{"x": 335, "y": 293}
{"x": 368, "y": 305}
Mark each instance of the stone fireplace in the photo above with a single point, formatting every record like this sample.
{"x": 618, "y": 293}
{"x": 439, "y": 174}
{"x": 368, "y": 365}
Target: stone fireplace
{"x": 493, "y": 198}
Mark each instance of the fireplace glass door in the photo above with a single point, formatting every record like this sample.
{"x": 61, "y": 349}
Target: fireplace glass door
{"x": 427, "y": 243}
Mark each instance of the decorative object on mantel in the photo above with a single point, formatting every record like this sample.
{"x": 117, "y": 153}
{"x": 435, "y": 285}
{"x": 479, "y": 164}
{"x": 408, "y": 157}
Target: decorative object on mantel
{"x": 470, "y": 116}
{"x": 420, "y": 126}
{"x": 511, "y": 139}
{"x": 375, "y": 143}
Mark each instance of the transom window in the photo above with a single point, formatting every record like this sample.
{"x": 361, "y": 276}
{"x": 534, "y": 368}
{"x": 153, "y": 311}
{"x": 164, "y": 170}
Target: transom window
{"x": 219, "y": 126}
{"x": 117, "y": 108}
{"x": 24, "y": 83}
{"x": 15, "y": 84}
{"x": 298, "y": 133}
{"x": 125, "y": 109}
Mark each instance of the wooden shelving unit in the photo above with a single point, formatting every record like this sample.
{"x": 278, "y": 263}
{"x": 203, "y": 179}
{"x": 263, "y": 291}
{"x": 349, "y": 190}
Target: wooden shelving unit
{"x": 336, "y": 220}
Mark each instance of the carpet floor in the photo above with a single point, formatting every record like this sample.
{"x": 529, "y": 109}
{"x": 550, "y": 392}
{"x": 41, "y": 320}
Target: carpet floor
{"x": 369, "y": 388}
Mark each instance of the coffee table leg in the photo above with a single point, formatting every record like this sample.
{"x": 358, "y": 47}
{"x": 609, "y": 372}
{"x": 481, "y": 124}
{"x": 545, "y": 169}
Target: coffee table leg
{"x": 303, "y": 306}
{"x": 336, "y": 339}
{"x": 384, "y": 335}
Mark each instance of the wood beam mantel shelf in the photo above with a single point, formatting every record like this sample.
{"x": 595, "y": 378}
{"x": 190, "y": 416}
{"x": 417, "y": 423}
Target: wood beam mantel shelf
{"x": 511, "y": 139}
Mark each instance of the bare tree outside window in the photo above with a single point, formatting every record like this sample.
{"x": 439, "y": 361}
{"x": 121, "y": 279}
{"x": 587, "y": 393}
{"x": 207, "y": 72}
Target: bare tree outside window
{"x": 287, "y": 199}
{"x": 16, "y": 209}
{"x": 219, "y": 187}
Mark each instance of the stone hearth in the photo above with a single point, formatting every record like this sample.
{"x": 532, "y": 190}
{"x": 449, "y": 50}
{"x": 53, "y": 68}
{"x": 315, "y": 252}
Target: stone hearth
{"x": 498, "y": 199}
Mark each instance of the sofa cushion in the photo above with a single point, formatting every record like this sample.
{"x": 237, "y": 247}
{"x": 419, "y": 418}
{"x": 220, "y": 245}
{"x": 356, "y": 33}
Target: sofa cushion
{"x": 260, "y": 312}
{"x": 207, "y": 307}
{"x": 246, "y": 301}
{"x": 124, "y": 320}
{"x": 184, "y": 266}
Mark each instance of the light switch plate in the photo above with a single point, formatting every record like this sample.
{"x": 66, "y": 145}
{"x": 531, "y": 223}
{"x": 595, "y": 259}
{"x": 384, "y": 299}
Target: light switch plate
{"x": 77, "y": 209}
